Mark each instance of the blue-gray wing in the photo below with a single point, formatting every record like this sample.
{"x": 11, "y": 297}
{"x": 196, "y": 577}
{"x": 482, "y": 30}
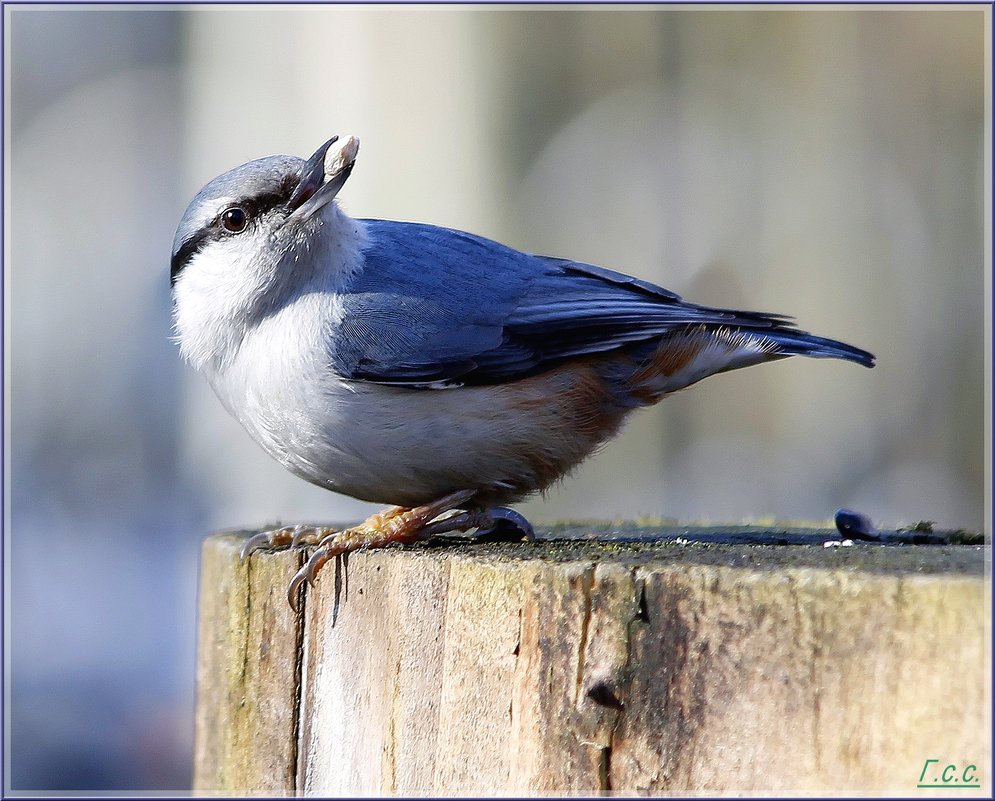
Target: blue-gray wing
{"x": 434, "y": 305}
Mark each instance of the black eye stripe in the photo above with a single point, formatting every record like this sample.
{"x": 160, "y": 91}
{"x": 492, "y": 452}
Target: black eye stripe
{"x": 256, "y": 205}
{"x": 187, "y": 251}
{"x": 253, "y": 207}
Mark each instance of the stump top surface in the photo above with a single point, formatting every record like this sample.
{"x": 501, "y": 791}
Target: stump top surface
{"x": 732, "y": 546}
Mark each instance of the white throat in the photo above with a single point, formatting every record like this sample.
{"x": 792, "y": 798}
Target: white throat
{"x": 231, "y": 285}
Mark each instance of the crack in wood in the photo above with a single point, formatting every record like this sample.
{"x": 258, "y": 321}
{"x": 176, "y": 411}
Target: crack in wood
{"x": 298, "y": 691}
{"x": 587, "y": 583}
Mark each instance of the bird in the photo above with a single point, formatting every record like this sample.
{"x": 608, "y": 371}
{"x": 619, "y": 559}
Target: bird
{"x": 426, "y": 368}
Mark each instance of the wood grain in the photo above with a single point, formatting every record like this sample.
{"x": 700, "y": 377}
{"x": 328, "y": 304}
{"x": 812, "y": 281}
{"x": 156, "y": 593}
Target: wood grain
{"x": 579, "y": 668}
{"x": 248, "y": 674}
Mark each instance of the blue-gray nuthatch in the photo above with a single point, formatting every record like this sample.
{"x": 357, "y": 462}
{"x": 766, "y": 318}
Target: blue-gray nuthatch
{"x": 421, "y": 366}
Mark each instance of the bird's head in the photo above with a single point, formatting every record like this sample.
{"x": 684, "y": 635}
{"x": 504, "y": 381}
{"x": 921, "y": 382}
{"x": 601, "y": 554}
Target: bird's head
{"x": 247, "y": 234}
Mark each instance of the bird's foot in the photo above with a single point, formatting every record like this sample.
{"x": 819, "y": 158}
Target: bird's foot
{"x": 393, "y": 525}
{"x": 288, "y": 536}
{"x": 497, "y": 523}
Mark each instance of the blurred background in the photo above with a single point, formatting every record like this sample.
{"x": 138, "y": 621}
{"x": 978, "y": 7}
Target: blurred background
{"x": 824, "y": 163}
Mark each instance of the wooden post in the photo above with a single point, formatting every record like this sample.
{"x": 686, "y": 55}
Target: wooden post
{"x": 570, "y": 667}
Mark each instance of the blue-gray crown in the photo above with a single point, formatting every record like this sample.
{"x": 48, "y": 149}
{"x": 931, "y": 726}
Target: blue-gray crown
{"x": 256, "y": 186}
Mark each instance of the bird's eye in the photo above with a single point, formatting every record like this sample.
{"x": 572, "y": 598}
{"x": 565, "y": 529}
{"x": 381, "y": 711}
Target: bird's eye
{"x": 234, "y": 220}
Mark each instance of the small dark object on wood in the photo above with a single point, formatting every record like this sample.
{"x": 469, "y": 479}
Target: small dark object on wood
{"x": 855, "y": 526}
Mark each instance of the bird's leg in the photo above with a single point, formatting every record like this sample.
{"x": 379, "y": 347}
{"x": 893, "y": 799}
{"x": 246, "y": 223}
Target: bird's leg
{"x": 394, "y": 525}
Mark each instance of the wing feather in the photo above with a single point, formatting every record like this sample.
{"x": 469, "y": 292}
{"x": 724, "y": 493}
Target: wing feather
{"x": 436, "y": 305}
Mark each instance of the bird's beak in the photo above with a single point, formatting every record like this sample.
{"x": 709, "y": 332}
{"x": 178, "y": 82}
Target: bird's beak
{"x": 322, "y": 176}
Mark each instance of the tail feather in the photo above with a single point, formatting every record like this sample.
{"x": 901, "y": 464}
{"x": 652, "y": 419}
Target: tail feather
{"x": 800, "y": 343}
{"x": 685, "y": 357}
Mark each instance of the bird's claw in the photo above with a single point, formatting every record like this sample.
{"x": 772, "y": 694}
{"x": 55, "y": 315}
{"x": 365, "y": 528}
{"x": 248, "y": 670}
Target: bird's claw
{"x": 254, "y": 543}
{"x": 294, "y": 587}
{"x": 314, "y": 563}
{"x": 277, "y": 538}
{"x": 501, "y": 520}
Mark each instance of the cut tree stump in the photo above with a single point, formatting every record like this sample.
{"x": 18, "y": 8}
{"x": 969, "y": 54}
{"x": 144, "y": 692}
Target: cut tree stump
{"x": 643, "y": 664}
